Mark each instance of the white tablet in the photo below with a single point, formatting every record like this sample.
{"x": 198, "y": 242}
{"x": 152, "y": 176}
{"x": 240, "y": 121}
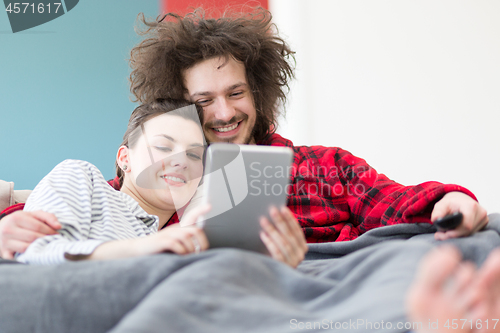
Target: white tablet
{"x": 242, "y": 183}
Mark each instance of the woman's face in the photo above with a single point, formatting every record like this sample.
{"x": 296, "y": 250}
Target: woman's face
{"x": 166, "y": 162}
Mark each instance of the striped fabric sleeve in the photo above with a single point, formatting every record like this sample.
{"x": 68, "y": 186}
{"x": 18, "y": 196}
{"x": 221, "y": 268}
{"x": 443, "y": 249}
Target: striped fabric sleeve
{"x": 65, "y": 192}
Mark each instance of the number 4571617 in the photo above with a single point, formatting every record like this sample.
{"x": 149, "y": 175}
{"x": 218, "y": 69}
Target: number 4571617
{"x": 17, "y": 8}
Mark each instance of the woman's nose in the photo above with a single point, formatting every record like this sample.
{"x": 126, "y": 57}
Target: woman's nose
{"x": 178, "y": 160}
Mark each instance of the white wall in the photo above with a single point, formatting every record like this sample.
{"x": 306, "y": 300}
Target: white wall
{"x": 413, "y": 87}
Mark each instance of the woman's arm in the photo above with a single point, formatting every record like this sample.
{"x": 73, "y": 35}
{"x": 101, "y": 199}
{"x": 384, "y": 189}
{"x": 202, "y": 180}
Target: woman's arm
{"x": 98, "y": 224}
{"x": 176, "y": 239}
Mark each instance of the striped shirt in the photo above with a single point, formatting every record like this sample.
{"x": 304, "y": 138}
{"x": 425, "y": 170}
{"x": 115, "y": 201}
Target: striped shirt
{"x": 90, "y": 211}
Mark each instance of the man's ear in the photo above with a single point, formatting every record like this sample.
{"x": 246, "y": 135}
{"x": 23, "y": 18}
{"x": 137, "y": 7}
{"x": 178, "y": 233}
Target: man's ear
{"x": 122, "y": 158}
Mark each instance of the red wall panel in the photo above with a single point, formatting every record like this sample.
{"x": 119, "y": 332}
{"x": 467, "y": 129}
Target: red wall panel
{"x": 213, "y": 7}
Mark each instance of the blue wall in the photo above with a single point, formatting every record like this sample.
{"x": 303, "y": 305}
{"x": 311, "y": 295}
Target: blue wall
{"x": 63, "y": 88}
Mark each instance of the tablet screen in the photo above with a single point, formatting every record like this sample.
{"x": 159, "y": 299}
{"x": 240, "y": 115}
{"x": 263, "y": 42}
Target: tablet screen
{"x": 241, "y": 183}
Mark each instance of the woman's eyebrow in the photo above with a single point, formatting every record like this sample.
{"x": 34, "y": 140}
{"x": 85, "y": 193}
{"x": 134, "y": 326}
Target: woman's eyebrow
{"x": 168, "y": 137}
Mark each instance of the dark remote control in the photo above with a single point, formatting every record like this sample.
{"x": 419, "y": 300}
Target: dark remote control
{"x": 449, "y": 222}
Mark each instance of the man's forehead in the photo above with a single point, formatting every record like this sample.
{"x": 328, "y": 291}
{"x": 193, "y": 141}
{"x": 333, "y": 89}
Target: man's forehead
{"x": 214, "y": 74}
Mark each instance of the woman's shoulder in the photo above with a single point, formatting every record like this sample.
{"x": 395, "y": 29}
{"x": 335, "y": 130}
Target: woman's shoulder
{"x": 76, "y": 169}
{"x": 76, "y": 165}
{"x": 70, "y": 163}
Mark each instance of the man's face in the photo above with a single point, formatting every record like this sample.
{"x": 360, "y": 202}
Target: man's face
{"x": 220, "y": 87}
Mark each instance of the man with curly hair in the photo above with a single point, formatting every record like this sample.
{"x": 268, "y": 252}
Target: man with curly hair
{"x": 238, "y": 69}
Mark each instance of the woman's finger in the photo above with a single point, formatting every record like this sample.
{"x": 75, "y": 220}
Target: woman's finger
{"x": 190, "y": 218}
{"x": 201, "y": 238}
{"x": 176, "y": 246}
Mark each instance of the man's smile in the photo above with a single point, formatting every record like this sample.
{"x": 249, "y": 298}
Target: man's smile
{"x": 227, "y": 128}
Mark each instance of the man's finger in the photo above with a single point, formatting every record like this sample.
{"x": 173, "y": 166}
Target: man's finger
{"x": 14, "y": 246}
{"x": 49, "y": 218}
{"x": 296, "y": 230}
{"x": 273, "y": 249}
{"x": 279, "y": 221}
{"x": 6, "y": 254}
{"x": 28, "y": 236}
{"x": 277, "y": 232}
{"x": 441, "y": 209}
{"x": 272, "y": 237}
{"x": 444, "y": 235}
{"x": 482, "y": 223}
{"x": 29, "y": 222}
{"x": 291, "y": 236}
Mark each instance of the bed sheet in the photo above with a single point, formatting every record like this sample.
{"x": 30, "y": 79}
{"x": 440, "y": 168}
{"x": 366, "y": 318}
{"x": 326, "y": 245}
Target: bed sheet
{"x": 355, "y": 286}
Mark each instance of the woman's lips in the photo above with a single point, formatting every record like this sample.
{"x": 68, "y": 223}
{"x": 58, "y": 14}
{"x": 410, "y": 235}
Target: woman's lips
{"x": 174, "y": 179}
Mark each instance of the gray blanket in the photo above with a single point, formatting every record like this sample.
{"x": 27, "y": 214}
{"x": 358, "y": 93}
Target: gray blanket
{"x": 356, "y": 286}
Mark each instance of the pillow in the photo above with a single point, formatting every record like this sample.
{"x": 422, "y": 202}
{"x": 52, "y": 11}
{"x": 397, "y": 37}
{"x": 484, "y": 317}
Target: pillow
{"x": 9, "y": 197}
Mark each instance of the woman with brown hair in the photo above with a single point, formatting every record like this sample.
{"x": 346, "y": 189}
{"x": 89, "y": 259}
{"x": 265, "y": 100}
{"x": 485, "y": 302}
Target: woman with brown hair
{"x": 160, "y": 167}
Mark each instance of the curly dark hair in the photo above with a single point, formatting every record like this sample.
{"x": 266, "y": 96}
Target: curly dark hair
{"x": 175, "y": 43}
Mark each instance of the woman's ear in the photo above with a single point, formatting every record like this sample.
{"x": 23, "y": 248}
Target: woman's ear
{"x": 122, "y": 158}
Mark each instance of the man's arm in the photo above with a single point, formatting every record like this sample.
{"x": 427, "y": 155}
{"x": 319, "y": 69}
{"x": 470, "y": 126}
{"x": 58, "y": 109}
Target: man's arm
{"x": 387, "y": 202}
{"x": 19, "y": 229}
{"x": 337, "y": 196}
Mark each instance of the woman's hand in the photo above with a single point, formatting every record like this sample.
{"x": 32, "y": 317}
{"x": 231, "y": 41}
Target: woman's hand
{"x": 178, "y": 239}
{"x": 284, "y": 240}
{"x": 174, "y": 238}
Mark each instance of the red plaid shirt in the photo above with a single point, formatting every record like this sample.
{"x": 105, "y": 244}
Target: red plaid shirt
{"x": 336, "y": 196}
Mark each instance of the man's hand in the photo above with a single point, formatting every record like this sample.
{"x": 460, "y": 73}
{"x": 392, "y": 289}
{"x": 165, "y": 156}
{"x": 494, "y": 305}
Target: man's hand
{"x": 285, "y": 240}
{"x": 475, "y": 216}
{"x": 19, "y": 229}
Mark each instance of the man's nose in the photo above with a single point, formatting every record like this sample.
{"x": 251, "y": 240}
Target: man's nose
{"x": 224, "y": 111}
